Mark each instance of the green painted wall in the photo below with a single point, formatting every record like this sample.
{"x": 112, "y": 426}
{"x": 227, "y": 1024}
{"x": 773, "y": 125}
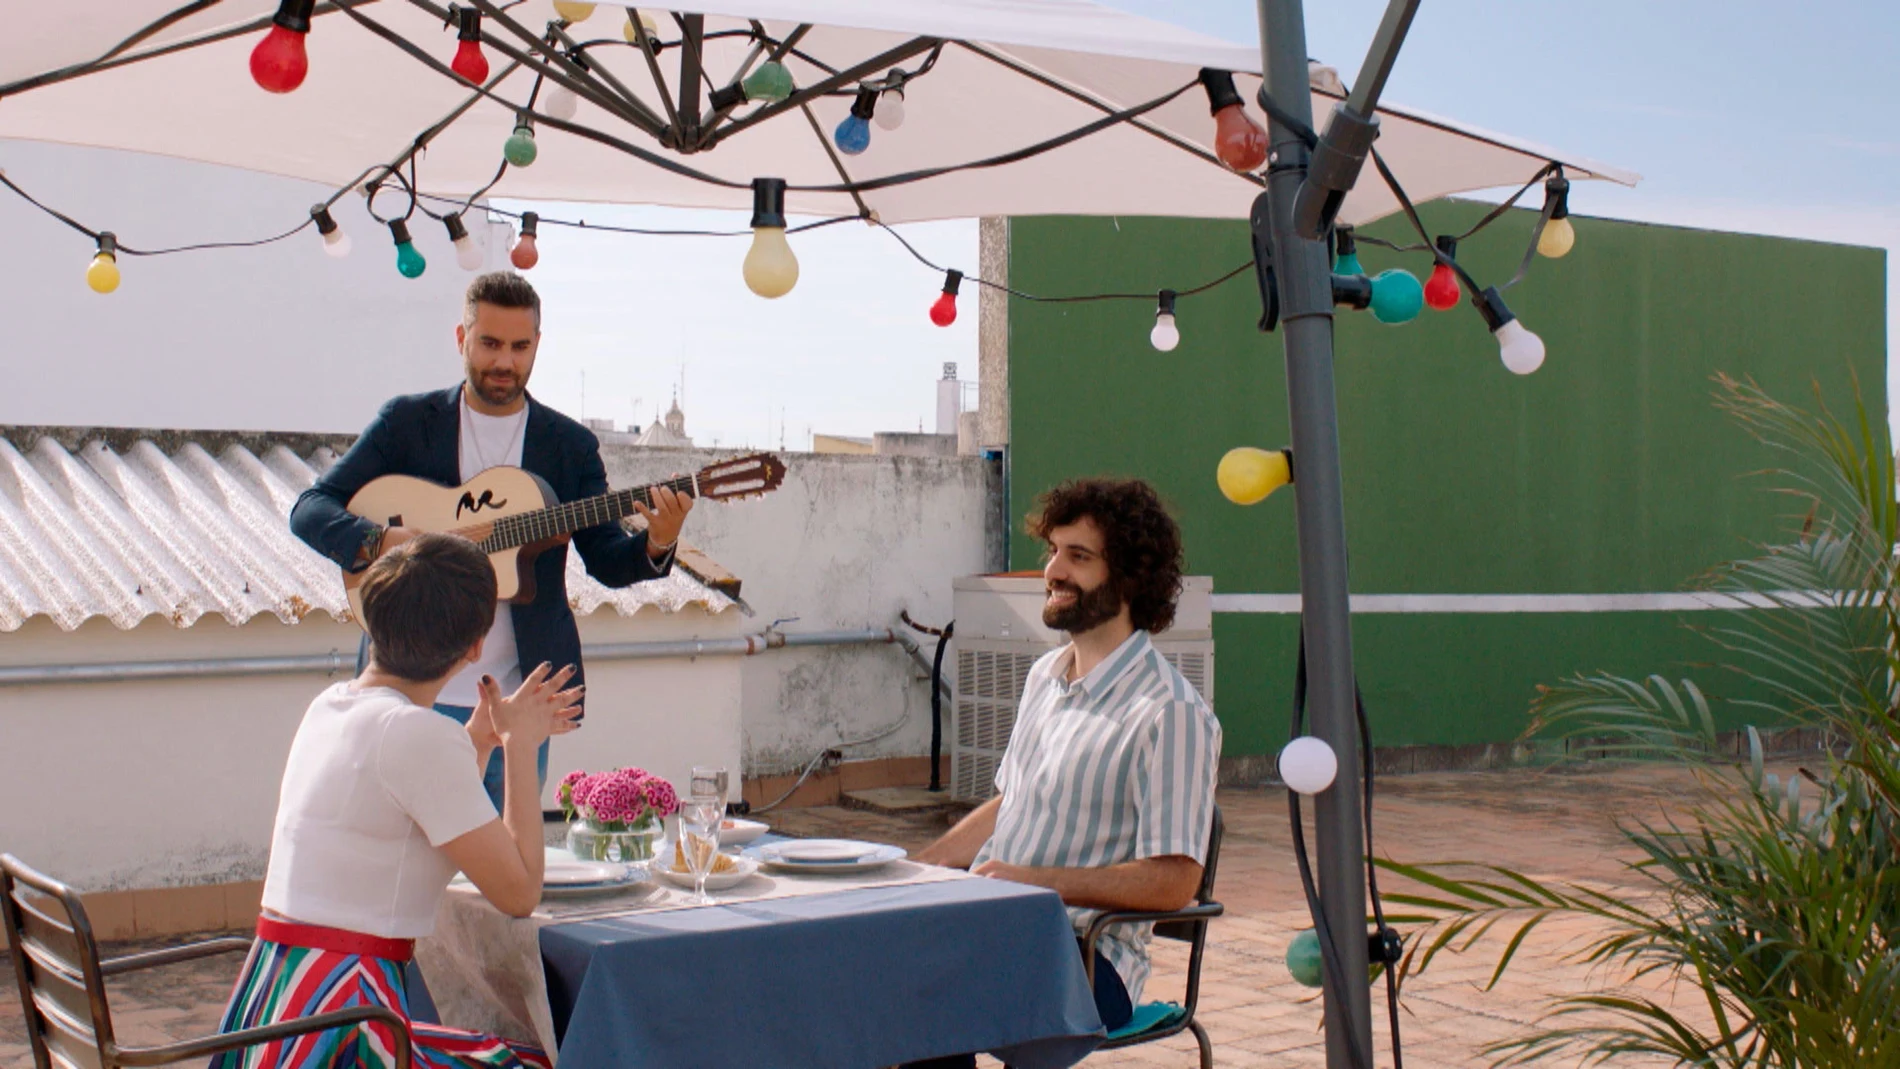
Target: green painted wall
{"x": 1607, "y": 471}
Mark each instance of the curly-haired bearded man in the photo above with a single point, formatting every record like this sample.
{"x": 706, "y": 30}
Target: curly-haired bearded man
{"x": 1106, "y": 792}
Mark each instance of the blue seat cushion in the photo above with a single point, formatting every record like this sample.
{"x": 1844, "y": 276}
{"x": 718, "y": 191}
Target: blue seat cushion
{"x": 1148, "y": 1017}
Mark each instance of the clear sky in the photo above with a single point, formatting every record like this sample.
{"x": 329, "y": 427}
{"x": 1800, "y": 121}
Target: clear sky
{"x": 1752, "y": 115}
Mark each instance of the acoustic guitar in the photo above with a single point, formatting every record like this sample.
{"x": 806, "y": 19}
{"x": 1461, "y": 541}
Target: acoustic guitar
{"x": 512, "y": 514}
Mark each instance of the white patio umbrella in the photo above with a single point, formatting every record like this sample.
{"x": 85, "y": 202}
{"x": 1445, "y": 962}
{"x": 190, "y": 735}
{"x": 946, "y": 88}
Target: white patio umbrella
{"x": 1011, "y": 74}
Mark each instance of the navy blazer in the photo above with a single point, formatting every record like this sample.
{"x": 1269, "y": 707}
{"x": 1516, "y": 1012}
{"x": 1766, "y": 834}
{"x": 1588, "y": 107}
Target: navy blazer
{"x": 420, "y": 435}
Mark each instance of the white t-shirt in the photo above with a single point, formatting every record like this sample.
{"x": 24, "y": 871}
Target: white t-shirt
{"x": 373, "y": 786}
{"x": 487, "y": 442}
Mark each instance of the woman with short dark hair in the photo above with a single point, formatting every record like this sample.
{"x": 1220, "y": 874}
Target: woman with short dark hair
{"x": 382, "y": 802}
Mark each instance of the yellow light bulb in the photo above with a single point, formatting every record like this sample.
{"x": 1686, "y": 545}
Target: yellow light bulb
{"x": 770, "y": 268}
{"x": 103, "y": 274}
{"x": 646, "y": 20}
{"x": 1557, "y": 238}
{"x": 573, "y": 11}
{"x": 1247, "y": 475}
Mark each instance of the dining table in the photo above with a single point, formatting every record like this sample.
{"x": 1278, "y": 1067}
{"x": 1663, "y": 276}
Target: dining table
{"x": 790, "y": 967}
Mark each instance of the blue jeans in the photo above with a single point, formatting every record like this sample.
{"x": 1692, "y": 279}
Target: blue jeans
{"x": 492, "y": 776}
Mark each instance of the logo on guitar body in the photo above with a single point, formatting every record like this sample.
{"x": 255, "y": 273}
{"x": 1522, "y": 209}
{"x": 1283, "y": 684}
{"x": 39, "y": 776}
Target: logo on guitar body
{"x": 470, "y": 504}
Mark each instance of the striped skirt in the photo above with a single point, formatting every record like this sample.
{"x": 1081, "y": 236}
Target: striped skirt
{"x": 297, "y": 970}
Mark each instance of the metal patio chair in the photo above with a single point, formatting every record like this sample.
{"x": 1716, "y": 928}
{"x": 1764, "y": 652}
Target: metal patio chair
{"x": 63, "y": 984}
{"x": 1189, "y": 925}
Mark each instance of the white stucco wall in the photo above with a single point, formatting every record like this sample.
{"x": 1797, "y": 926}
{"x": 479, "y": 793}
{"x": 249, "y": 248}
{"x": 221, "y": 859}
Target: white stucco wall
{"x": 847, "y": 542}
{"x": 180, "y": 344}
{"x": 154, "y": 784}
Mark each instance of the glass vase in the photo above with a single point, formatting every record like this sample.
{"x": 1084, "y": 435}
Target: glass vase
{"x": 592, "y": 840}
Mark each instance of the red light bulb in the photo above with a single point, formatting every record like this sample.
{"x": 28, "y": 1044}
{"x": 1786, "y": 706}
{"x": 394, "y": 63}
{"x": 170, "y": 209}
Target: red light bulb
{"x": 1441, "y": 290}
{"x": 524, "y": 255}
{"x": 944, "y": 312}
{"x": 1238, "y": 140}
{"x": 278, "y": 63}
{"x": 469, "y": 62}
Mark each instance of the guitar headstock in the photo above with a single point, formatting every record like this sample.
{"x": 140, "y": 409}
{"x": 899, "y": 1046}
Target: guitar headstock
{"x": 741, "y": 477}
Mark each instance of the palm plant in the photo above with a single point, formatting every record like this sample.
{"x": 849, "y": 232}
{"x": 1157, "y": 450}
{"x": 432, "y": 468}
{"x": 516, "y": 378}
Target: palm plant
{"x": 1776, "y": 911}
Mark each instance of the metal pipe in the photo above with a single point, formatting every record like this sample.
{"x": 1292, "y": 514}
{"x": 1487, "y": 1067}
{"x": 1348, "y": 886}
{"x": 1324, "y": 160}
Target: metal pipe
{"x": 1306, "y": 300}
{"x": 334, "y": 662}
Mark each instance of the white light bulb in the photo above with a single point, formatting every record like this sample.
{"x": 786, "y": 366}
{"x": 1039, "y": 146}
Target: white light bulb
{"x": 890, "y": 109}
{"x": 561, "y": 103}
{"x": 1308, "y": 765}
{"x": 468, "y": 254}
{"x": 1523, "y": 352}
{"x": 337, "y": 243}
{"x": 1166, "y": 335}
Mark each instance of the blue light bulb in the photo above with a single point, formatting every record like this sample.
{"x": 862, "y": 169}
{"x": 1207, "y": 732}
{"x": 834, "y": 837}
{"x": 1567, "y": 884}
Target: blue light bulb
{"x": 853, "y": 135}
{"x": 1396, "y": 297}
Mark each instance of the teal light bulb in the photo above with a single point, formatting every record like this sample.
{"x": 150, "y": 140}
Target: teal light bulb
{"x": 771, "y": 83}
{"x": 1348, "y": 265}
{"x": 1396, "y": 297}
{"x": 1303, "y": 960}
{"x": 409, "y": 261}
{"x": 520, "y": 149}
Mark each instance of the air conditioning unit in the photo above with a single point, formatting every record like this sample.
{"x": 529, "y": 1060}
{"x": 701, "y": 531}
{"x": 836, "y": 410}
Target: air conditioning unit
{"x": 1000, "y": 635}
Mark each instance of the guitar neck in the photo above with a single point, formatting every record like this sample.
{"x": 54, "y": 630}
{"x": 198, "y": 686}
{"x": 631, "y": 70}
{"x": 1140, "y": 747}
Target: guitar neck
{"x": 564, "y": 519}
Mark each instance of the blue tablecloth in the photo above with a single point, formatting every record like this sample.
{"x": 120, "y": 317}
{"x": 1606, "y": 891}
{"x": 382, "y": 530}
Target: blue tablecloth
{"x": 853, "y": 980}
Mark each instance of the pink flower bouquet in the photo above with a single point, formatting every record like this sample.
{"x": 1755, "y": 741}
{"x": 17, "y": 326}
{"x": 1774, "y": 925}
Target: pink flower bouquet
{"x": 618, "y": 799}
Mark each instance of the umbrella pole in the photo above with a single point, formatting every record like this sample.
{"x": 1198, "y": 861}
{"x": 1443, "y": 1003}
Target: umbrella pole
{"x": 1304, "y": 274}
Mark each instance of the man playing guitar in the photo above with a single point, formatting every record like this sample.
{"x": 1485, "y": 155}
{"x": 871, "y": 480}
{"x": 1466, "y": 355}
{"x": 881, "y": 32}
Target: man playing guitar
{"x": 449, "y": 437}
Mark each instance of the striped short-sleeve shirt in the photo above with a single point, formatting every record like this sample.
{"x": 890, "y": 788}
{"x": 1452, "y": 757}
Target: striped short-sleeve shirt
{"x": 1117, "y": 766}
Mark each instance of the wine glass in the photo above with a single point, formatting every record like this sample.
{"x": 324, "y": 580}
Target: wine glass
{"x": 699, "y": 842}
{"x": 709, "y": 781}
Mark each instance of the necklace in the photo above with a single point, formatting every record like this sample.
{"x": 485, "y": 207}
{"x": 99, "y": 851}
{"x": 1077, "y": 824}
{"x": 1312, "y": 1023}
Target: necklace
{"x": 482, "y": 462}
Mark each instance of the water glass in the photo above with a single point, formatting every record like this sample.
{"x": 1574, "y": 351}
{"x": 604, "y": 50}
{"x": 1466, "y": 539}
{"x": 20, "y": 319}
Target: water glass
{"x": 699, "y": 842}
{"x": 709, "y": 781}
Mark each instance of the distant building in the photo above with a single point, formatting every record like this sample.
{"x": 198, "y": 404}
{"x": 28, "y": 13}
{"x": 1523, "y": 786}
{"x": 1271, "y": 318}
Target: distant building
{"x": 840, "y": 443}
{"x": 669, "y": 430}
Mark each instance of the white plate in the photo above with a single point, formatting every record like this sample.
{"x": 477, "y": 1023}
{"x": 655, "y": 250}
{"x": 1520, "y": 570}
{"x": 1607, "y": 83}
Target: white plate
{"x": 819, "y": 850}
{"x": 742, "y": 867}
{"x": 569, "y": 872}
{"x": 737, "y": 832}
{"x": 771, "y": 857}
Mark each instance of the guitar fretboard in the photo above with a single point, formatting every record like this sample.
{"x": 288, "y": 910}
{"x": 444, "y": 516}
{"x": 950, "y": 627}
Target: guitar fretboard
{"x": 511, "y": 532}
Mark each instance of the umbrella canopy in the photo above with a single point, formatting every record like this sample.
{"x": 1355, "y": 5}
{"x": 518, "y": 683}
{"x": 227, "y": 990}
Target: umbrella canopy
{"x": 985, "y": 80}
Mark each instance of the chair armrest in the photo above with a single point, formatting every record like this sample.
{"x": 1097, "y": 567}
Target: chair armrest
{"x": 173, "y": 955}
{"x": 1198, "y": 912}
{"x": 250, "y": 1037}
{"x": 1203, "y": 911}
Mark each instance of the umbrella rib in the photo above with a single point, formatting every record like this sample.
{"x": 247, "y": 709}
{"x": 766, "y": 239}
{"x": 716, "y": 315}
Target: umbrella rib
{"x": 114, "y": 59}
{"x": 645, "y": 41}
{"x": 632, "y": 111}
{"x": 864, "y": 212}
{"x": 1070, "y": 91}
{"x": 888, "y": 58}
{"x": 614, "y": 83}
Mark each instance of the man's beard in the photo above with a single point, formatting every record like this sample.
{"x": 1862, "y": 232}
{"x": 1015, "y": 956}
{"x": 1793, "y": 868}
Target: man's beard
{"x": 495, "y": 393}
{"x": 1090, "y": 609}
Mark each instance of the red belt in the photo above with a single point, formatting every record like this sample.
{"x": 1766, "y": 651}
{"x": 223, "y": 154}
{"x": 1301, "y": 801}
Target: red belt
{"x": 338, "y": 940}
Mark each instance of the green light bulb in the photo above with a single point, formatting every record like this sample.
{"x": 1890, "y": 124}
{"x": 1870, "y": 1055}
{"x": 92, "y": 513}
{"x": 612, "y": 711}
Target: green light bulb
{"x": 1396, "y": 297}
{"x": 1302, "y": 959}
{"x": 409, "y": 261}
{"x": 1348, "y": 265}
{"x": 771, "y": 83}
{"x": 520, "y": 149}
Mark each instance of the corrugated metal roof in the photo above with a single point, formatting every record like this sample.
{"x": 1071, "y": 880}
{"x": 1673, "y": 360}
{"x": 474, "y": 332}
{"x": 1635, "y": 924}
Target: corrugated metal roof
{"x": 127, "y": 535}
